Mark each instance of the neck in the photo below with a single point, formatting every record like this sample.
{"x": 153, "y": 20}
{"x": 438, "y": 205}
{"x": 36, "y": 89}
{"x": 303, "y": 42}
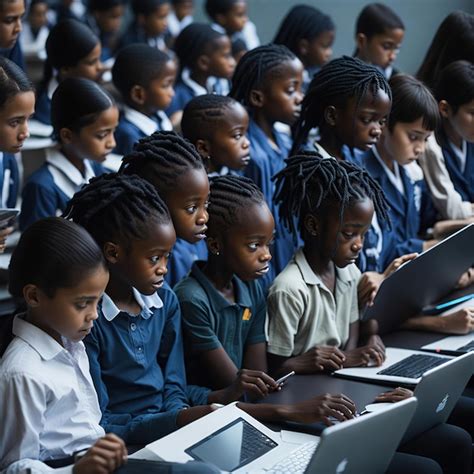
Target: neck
{"x": 142, "y": 109}
{"x": 121, "y": 293}
{"x": 321, "y": 265}
{"x": 36, "y": 319}
{"x": 264, "y": 123}
{"x": 384, "y": 154}
{"x": 332, "y": 145}
{"x": 212, "y": 167}
{"x": 199, "y": 77}
{"x": 69, "y": 153}
{"x": 451, "y": 133}
{"x": 217, "y": 272}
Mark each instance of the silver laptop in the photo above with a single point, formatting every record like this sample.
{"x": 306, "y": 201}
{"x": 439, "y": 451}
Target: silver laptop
{"x": 453, "y": 345}
{"x": 234, "y": 441}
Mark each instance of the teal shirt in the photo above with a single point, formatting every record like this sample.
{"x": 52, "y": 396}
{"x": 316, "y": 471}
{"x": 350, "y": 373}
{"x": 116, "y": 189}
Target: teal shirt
{"x": 211, "y": 322}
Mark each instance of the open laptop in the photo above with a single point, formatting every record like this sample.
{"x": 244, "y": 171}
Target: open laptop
{"x": 401, "y": 367}
{"x": 422, "y": 281}
{"x": 234, "y": 441}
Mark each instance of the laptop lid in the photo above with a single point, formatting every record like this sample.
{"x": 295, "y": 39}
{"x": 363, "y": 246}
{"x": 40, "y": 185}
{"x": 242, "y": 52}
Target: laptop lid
{"x": 422, "y": 281}
{"x": 345, "y": 447}
{"x": 454, "y": 345}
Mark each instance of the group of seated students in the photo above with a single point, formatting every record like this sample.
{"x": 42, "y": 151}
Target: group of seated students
{"x": 264, "y": 194}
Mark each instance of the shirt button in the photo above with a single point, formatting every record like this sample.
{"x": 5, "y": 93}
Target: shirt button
{"x": 139, "y": 349}
{"x": 133, "y": 326}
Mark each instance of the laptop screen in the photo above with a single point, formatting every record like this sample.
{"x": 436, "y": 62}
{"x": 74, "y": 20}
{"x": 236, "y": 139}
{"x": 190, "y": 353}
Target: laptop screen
{"x": 233, "y": 446}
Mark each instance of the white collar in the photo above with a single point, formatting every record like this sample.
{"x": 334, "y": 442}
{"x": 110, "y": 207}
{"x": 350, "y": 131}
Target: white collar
{"x": 322, "y": 151}
{"x": 218, "y": 28}
{"x": 146, "y": 303}
{"x": 141, "y": 121}
{"x": 52, "y": 86}
{"x": 395, "y": 175}
{"x": 461, "y": 154}
{"x": 191, "y": 83}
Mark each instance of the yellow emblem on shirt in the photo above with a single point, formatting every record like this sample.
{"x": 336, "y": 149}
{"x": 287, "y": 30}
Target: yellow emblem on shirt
{"x": 247, "y": 314}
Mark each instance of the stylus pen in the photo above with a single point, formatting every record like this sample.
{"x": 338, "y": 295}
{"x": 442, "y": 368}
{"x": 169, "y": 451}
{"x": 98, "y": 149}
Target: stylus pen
{"x": 454, "y": 302}
{"x": 282, "y": 380}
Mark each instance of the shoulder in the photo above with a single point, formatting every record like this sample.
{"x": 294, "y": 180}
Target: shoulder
{"x": 350, "y": 274}
{"x": 19, "y": 361}
{"x": 41, "y": 177}
{"x": 290, "y": 281}
{"x": 190, "y": 290}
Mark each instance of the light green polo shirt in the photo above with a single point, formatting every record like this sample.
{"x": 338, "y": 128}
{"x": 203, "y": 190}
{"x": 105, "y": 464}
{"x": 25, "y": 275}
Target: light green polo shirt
{"x": 302, "y": 312}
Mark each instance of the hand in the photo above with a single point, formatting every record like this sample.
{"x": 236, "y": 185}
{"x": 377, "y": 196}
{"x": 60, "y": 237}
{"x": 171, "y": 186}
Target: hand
{"x": 398, "y": 262}
{"x": 188, "y": 415}
{"x": 367, "y": 288}
{"x": 255, "y": 383}
{"x": 321, "y": 408}
{"x": 394, "y": 396}
{"x": 465, "y": 279}
{"x": 107, "y": 454}
{"x": 361, "y": 356}
{"x": 376, "y": 341}
{"x": 319, "y": 358}
{"x": 459, "y": 322}
{"x": 4, "y": 233}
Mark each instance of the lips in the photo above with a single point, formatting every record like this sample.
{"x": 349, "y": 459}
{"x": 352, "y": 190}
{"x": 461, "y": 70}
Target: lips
{"x": 263, "y": 270}
{"x": 201, "y": 234}
{"x": 158, "y": 284}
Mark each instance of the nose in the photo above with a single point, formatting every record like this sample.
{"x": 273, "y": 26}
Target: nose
{"x": 24, "y": 132}
{"x": 393, "y": 55}
{"x": 202, "y": 217}
{"x": 376, "y": 131}
{"x": 162, "y": 269}
{"x": 95, "y": 314}
{"x": 358, "y": 244}
{"x": 419, "y": 149}
{"x": 299, "y": 97}
{"x": 265, "y": 256}
{"x": 246, "y": 143}
{"x": 18, "y": 26}
{"x": 172, "y": 92}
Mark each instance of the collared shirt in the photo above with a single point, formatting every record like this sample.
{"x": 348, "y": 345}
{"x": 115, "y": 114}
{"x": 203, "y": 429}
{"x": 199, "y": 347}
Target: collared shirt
{"x": 137, "y": 366}
{"x": 461, "y": 154}
{"x": 210, "y": 321}
{"x": 394, "y": 176}
{"x": 48, "y": 405}
{"x": 303, "y": 312}
{"x": 248, "y": 34}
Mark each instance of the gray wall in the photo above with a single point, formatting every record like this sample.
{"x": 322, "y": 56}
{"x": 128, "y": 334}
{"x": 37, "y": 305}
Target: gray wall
{"x": 421, "y": 18}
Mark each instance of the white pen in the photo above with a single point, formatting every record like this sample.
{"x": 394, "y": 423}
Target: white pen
{"x": 282, "y": 380}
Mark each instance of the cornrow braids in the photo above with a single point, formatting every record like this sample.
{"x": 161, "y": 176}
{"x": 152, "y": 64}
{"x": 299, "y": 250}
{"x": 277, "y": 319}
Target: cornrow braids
{"x": 117, "y": 207}
{"x": 229, "y": 195}
{"x": 309, "y": 181}
{"x": 161, "y": 158}
{"x": 255, "y": 67}
{"x": 336, "y": 82}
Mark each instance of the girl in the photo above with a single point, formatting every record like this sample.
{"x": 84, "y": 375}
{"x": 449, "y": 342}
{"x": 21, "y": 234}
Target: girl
{"x": 173, "y": 166}
{"x": 268, "y": 83}
{"x": 84, "y": 118}
{"x": 59, "y": 271}
{"x": 80, "y": 59}
{"x": 309, "y": 34}
{"x": 35, "y": 30}
{"x": 17, "y": 104}
{"x": 379, "y": 36}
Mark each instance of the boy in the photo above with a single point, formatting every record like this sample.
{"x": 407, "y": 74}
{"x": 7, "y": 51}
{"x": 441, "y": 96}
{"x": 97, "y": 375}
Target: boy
{"x": 11, "y": 13}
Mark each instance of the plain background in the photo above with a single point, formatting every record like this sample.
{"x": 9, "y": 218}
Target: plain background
{"x": 421, "y": 19}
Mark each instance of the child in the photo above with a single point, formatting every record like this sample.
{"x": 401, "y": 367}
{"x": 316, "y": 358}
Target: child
{"x": 267, "y": 81}
{"x": 11, "y": 14}
{"x": 59, "y": 271}
{"x": 180, "y": 17}
{"x": 84, "y": 118}
{"x": 149, "y": 24}
{"x": 206, "y": 63}
{"x": 309, "y": 34}
{"x": 17, "y": 104}
{"x": 35, "y": 30}
{"x": 379, "y": 36}
{"x": 144, "y": 76}
{"x": 230, "y": 17}
{"x": 174, "y": 167}
{"x": 217, "y": 126}
{"x": 80, "y": 59}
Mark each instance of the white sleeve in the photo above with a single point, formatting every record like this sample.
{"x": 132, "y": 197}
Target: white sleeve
{"x": 33, "y": 466}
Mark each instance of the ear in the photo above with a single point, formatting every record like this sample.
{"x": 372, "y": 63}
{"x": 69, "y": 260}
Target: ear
{"x": 202, "y": 62}
{"x": 330, "y": 115}
{"x": 31, "y": 295}
{"x": 256, "y": 98}
{"x": 221, "y": 19}
{"x": 361, "y": 41}
{"x": 66, "y": 135}
{"x": 303, "y": 47}
{"x": 444, "y": 109}
{"x": 138, "y": 94}
{"x": 112, "y": 252}
{"x": 311, "y": 225}
{"x": 213, "y": 245}
{"x": 203, "y": 147}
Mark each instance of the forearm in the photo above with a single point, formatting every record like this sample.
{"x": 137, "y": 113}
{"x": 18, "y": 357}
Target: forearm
{"x": 266, "y": 411}
{"x": 425, "y": 323}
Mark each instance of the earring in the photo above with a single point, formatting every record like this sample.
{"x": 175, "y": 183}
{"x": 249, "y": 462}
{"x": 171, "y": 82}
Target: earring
{"x": 217, "y": 252}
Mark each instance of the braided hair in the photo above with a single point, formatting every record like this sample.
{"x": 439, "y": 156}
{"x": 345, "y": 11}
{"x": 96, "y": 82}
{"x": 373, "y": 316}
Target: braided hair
{"x": 115, "y": 207}
{"x": 309, "y": 182}
{"x": 255, "y": 67}
{"x": 161, "y": 159}
{"x": 229, "y": 195}
{"x": 336, "y": 82}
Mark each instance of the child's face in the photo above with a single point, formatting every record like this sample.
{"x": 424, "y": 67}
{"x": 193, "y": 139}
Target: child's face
{"x": 160, "y": 91}
{"x": 246, "y": 246}
{"x": 282, "y": 96}
{"x": 229, "y": 145}
{"x": 143, "y": 264}
{"x": 71, "y": 312}
{"x": 380, "y": 50}
{"x": 95, "y": 141}
{"x": 318, "y": 51}
{"x": 343, "y": 241}
{"x": 156, "y": 23}
{"x": 110, "y": 21}
{"x": 221, "y": 62}
{"x": 89, "y": 67}
{"x": 14, "y": 116}
{"x": 361, "y": 126}
{"x": 234, "y": 20}
{"x": 183, "y": 8}
{"x": 462, "y": 122}
{"x": 406, "y": 142}
{"x": 11, "y": 14}
{"x": 37, "y": 16}
{"x": 187, "y": 204}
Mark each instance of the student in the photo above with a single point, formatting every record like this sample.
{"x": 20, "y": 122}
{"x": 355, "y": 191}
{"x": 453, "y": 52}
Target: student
{"x": 17, "y": 104}
{"x": 379, "y": 36}
{"x": 267, "y": 81}
{"x": 59, "y": 271}
{"x": 84, "y": 118}
{"x": 35, "y": 30}
{"x": 180, "y": 17}
{"x": 454, "y": 40}
{"x": 206, "y": 66}
{"x": 217, "y": 126}
{"x": 144, "y": 76}
{"x": 149, "y": 25}
{"x": 230, "y": 17}
{"x": 80, "y": 59}
{"x": 174, "y": 167}
{"x": 11, "y": 14}
{"x": 309, "y": 34}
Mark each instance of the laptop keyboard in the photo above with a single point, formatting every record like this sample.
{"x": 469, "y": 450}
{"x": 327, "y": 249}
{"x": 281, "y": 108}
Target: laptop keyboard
{"x": 297, "y": 461}
{"x": 413, "y": 367}
{"x": 469, "y": 347}
{"x": 254, "y": 444}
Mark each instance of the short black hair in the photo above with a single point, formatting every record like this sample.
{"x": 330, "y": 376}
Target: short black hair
{"x": 13, "y": 80}
{"x": 219, "y": 7}
{"x": 376, "y": 19}
{"x": 103, "y": 5}
{"x": 52, "y": 253}
{"x": 117, "y": 208}
{"x": 146, "y": 7}
{"x": 137, "y": 64}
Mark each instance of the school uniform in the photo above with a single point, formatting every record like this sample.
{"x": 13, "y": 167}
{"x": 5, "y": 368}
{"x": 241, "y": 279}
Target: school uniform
{"x": 48, "y": 190}
{"x": 136, "y": 34}
{"x": 9, "y": 180}
{"x": 175, "y": 26}
{"x": 43, "y": 102}
{"x": 210, "y": 321}
{"x": 32, "y": 43}
{"x": 14, "y": 54}
{"x": 308, "y": 74}
{"x": 248, "y": 34}
{"x": 183, "y": 255}
{"x": 137, "y": 366}
{"x": 134, "y": 125}
{"x": 187, "y": 88}
{"x": 265, "y": 162}
{"x": 303, "y": 312}
{"x": 48, "y": 405}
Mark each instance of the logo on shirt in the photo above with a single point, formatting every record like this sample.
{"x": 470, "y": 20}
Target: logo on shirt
{"x": 247, "y": 314}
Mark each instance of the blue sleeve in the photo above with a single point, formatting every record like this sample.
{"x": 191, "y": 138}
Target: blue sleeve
{"x": 125, "y": 137}
{"x": 198, "y": 395}
{"x": 9, "y": 162}
{"x": 256, "y": 333}
{"x": 16, "y": 55}
{"x": 43, "y": 108}
{"x": 181, "y": 97}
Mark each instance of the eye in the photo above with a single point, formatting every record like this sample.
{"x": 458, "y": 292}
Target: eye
{"x": 238, "y": 136}
{"x": 382, "y": 122}
{"x": 191, "y": 209}
{"x": 348, "y": 235}
{"x": 253, "y": 246}
{"x": 14, "y": 123}
{"x": 81, "y": 305}
{"x": 206, "y": 205}
{"x": 365, "y": 120}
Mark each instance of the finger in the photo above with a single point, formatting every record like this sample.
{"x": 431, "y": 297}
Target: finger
{"x": 345, "y": 401}
{"x": 262, "y": 386}
{"x": 103, "y": 458}
{"x": 330, "y": 364}
{"x": 254, "y": 389}
{"x": 338, "y": 359}
{"x": 339, "y": 353}
{"x": 326, "y": 421}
